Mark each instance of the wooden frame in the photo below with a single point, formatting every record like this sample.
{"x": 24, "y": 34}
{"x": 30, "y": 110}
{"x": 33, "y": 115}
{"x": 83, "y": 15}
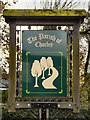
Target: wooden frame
{"x": 54, "y": 17}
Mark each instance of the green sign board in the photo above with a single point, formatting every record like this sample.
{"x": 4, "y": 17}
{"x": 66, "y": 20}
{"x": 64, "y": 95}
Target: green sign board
{"x": 44, "y": 63}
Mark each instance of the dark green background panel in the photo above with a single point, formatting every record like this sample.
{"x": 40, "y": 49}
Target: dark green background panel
{"x": 58, "y": 53}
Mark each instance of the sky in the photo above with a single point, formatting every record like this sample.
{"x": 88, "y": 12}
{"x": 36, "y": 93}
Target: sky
{"x": 30, "y": 4}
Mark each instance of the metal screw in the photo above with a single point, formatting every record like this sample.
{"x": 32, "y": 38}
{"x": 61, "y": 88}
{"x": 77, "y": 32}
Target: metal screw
{"x": 70, "y": 105}
{"x": 17, "y": 104}
{"x": 28, "y": 105}
{"x": 58, "y": 105}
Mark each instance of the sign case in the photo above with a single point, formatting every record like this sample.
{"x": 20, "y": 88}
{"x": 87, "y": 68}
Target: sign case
{"x": 44, "y": 63}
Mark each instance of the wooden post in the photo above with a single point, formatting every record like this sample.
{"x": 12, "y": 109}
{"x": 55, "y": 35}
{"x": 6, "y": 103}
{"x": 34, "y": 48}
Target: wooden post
{"x": 76, "y": 96}
{"x": 12, "y": 68}
{"x": 47, "y": 113}
{"x": 40, "y": 113}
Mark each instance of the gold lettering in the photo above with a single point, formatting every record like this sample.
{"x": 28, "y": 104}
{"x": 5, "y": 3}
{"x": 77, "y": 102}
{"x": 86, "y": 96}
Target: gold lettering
{"x": 41, "y": 45}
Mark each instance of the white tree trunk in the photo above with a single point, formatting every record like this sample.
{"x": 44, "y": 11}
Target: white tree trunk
{"x": 43, "y": 75}
{"x": 36, "y": 85}
{"x": 49, "y": 72}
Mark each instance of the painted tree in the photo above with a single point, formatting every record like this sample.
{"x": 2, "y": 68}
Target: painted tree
{"x": 36, "y": 71}
{"x": 49, "y": 64}
{"x": 43, "y": 63}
